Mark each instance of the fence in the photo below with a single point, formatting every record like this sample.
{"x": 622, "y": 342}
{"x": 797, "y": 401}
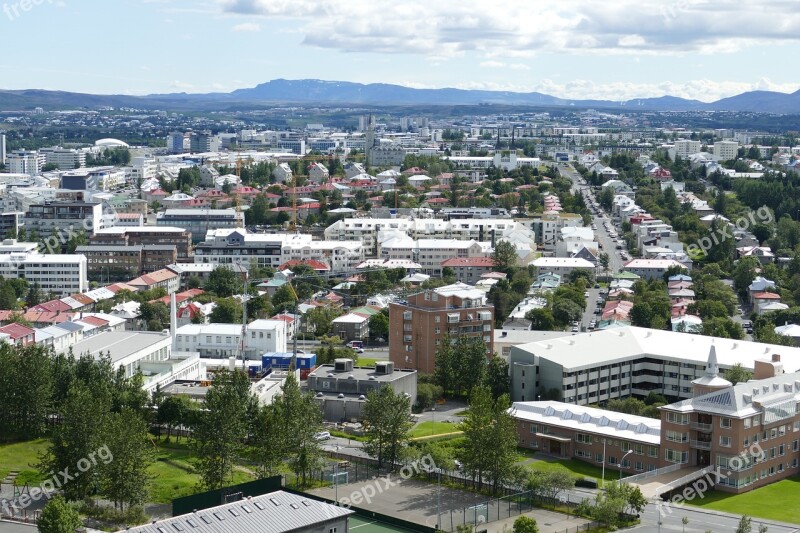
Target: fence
{"x": 584, "y": 527}
{"x": 24, "y": 517}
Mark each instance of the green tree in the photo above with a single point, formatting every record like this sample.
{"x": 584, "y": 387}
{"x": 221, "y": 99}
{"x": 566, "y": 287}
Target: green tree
{"x": 762, "y": 233}
{"x": 565, "y": 312}
{"x": 497, "y": 377}
{"x": 505, "y": 256}
{"x": 737, "y": 374}
{"x": 525, "y": 524}
{"x": 488, "y": 450}
{"x": 541, "y": 319}
{"x": 379, "y": 326}
{"x": 221, "y": 427}
{"x": 550, "y": 483}
{"x": 124, "y": 479}
{"x": 227, "y": 311}
{"x": 224, "y": 282}
{"x": 745, "y": 525}
{"x": 744, "y": 273}
{"x": 302, "y": 420}
{"x": 58, "y": 516}
{"x": 320, "y": 319}
{"x": 387, "y": 425}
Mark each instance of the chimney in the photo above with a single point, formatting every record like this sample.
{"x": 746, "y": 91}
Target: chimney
{"x": 173, "y": 315}
{"x": 776, "y": 358}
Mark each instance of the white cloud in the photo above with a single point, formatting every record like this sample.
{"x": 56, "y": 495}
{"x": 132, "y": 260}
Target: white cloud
{"x": 247, "y": 27}
{"x": 448, "y": 28}
{"x": 703, "y": 90}
{"x": 500, "y": 64}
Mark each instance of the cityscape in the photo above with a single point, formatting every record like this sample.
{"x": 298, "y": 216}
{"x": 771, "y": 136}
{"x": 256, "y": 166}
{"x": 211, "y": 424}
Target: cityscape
{"x": 550, "y": 285}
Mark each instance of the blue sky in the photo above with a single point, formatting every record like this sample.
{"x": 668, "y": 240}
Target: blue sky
{"x": 611, "y": 49}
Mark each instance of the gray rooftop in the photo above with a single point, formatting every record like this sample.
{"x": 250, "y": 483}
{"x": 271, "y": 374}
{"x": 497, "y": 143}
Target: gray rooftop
{"x": 107, "y": 248}
{"x": 359, "y": 374}
{"x": 120, "y": 344}
{"x": 275, "y": 512}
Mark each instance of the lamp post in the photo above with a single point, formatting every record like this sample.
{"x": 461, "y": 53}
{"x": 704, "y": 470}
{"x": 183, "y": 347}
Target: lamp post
{"x": 622, "y": 463}
{"x": 433, "y": 420}
{"x": 603, "y": 477}
{"x": 336, "y": 482}
{"x": 438, "y": 497}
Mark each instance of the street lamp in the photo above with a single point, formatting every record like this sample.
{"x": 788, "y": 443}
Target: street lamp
{"x": 433, "y": 420}
{"x": 438, "y": 497}
{"x": 622, "y": 463}
{"x": 603, "y": 477}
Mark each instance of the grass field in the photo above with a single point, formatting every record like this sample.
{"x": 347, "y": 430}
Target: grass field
{"x": 777, "y": 501}
{"x": 425, "y": 429}
{"x": 21, "y": 457}
{"x": 366, "y": 361}
{"x": 577, "y": 467}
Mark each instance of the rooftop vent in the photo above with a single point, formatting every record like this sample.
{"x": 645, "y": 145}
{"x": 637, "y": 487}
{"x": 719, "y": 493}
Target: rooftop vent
{"x": 343, "y": 365}
{"x": 384, "y": 367}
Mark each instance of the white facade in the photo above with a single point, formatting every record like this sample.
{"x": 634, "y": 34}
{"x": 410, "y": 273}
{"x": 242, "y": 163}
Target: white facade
{"x": 430, "y": 253}
{"x": 725, "y": 150}
{"x": 64, "y": 158}
{"x": 684, "y": 148}
{"x": 25, "y": 162}
{"x": 2, "y": 148}
{"x": 228, "y": 246}
{"x": 60, "y": 274}
{"x": 225, "y": 340}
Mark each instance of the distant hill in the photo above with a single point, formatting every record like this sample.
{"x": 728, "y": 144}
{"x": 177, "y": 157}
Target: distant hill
{"x": 341, "y": 92}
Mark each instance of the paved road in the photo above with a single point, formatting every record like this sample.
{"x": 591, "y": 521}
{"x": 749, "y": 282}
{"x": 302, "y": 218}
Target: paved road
{"x": 699, "y": 521}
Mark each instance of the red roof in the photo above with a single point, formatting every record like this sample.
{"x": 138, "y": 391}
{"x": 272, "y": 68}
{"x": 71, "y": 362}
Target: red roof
{"x": 95, "y": 321}
{"x": 53, "y": 306}
{"x": 17, "y": 331}
{"x": 181, "y": 296}
{"x": 469, "y": 262}
{"x": 190, "y": 310}
{"x": 766, "y": 296}
{"x": 46, "y": 317}
{"x": 314, "y": 264}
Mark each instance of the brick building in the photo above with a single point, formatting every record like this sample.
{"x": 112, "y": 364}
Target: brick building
{"x": 418, "y": 326}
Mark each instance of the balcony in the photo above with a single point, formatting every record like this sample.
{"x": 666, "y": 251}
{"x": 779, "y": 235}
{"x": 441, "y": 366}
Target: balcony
{"x": 699, "y": 426}
{"x": 700, "y": 444}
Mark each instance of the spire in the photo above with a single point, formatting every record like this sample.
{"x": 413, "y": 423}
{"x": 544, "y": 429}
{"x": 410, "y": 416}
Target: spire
{"x": 712, "y": 369}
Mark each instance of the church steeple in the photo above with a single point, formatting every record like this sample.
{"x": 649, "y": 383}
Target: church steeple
{"x": 712, "y": 368}
{"x": 711, "y": 381}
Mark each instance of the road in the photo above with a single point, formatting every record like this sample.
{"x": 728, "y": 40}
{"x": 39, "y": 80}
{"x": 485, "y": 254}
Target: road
{"x": 699, "y": 521}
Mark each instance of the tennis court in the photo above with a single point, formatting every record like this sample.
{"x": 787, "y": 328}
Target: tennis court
{"x": 360, "y": 524}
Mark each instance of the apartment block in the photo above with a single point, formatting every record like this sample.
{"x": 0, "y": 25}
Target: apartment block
{"x": 199, "y": 221}
{"x": 110, "y": 263}
{"x": 225, "y": 340}
{"x": 60, "y": 274}
{"x": 180, "y": 238}
{"x": 77, "y": 216}
{"x": 64, "y": 158}
{"x": 418, "y": 327}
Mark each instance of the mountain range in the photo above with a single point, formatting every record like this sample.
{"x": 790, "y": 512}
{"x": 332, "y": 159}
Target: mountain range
{"x": 322, "y": 92}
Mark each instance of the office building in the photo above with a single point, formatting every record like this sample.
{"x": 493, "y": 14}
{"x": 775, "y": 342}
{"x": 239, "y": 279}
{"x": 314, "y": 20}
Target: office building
{"x": 60, "y": 274}
{"x": 684, "y": 148}
{"x": 108, "y": 263}
{"x": 3, "y": 149}
{"x": 726, "y": 150}
{"x": 180, "y": 238}
{"x": 594, "y": 367}
{"x": 199, "y": 221}
{"x": 25, "y": 162}
{"x": 417, "y": 328}
{"x": 341, "y": 389}
{"x": 77, "y": 216}
{"x": 64, "y": 158}
{"x": 10, "y": 223}
{"x": 175, "y": 142}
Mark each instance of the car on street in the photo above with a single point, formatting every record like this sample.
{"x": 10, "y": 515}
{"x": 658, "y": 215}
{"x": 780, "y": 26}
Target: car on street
{"x": 322, "y": 435}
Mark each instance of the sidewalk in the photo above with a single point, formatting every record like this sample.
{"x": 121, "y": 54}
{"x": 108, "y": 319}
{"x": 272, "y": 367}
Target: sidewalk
{"x": 548, "y": 522}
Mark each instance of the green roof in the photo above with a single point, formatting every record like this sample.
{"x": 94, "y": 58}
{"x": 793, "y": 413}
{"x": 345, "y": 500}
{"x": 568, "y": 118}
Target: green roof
{"x": 626, "y": 275}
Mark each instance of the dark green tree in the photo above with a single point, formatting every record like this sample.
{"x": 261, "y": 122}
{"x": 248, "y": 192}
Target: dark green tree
{"x": 387, "y": 425}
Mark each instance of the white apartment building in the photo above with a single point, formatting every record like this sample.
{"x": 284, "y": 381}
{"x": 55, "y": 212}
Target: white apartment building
{"x": 50, "y": 217}
{"x": 563, "y": 266}
{"x": 226, "y": 246}
{"x": 61, "y": 274}
{"x": 572, "y": 239}
{"x": 225, "y": 340}
{"x": 684, "y": 148}
{"x": 430, "y": 253}
{"x": 25, "y": 162}
{"x": 64, "y": 158}
{"x": 725, "y": 150}
{"x": 3, "y": 149}
{"x": 372, "y": 231}
{"x": 547, "y": 228}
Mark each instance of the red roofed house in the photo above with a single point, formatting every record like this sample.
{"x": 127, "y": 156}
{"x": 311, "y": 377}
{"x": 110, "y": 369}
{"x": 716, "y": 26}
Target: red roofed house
{"x": 316, "y": 266}
{"x": 181, "y": 297}
{"x": 19, "y": 334}
{"x": 469, "y": 269}
{"x": 165, "y": 278}
{"x": 761, "y": 299}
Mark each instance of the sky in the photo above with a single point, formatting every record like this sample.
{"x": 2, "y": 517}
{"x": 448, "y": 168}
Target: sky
{"x": 607, "y": 49}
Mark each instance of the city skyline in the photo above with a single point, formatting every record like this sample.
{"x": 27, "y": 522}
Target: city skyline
{"x": 578, "y": 50}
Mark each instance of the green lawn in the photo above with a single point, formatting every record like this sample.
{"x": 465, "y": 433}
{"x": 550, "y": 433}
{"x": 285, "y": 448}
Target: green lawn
{"x": 425, "y": 429}
{"x": 580, "y": 468}
{"x": 777, "y": 501}
{"x": 366, "y": 361}
{"x": 21, "y": 457}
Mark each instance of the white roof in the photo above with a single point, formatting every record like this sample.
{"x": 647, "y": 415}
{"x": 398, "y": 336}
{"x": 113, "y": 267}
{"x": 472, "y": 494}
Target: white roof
{"x": 562, "y": 262}
{"x": 588, "y": 350}
{"x": 350, "y": 318}
{"x": 590, "y": 419}
{"x": 656, "y": 264}
{"x": 462, "y": 290}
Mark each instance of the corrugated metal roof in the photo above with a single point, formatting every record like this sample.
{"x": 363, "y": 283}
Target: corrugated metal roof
{"x": 275, "y": 512}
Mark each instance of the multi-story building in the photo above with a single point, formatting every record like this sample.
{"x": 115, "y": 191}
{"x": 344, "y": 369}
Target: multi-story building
{"x": 164, "y": 278}
{"x": 726, "y": 150}
{"x": 93, "y": 179}
{"x": 60, "y": 274}
{"x": 594, "y": 367}
{"x": 593, "y": 435}
{"x": 469, "y": 270}
{"x": 64, "y": 158}
{"x": 199, "y": 221}
{"x": 226, "y": 246}
{"x": 175, "y": 142}
{"x": 417, "y": 328}
{"x": 684, "y": 148}
{"x": 561, "y": 266}
{"x": 10, "y": 223}
{"x": 547, "y": 228}
{"x": 653, "y": 268}
{"x": 25, "y": 162}
{"x": 430, "y": 253}
{"x": 156, "y": 256}
{"x": 76, "y": 216}
{"x": 180, "y": 238}
{"x": 221, "y": 341}
{"x": 110, "y": 263}
{"x": 3, "y": 153}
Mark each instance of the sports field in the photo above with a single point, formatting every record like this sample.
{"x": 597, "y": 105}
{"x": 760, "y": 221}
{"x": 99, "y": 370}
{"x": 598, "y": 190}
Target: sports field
{"x": 362, "y": 524}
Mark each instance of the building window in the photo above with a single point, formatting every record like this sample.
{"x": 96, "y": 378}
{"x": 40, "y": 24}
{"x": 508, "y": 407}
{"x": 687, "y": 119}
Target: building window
{"x": 406, "y": 315}
{"x": 725, "y": 441}
{"x": 725, "y": 422}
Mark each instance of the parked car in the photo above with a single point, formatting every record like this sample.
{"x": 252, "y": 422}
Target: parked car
{"x": 322, "y": 435}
